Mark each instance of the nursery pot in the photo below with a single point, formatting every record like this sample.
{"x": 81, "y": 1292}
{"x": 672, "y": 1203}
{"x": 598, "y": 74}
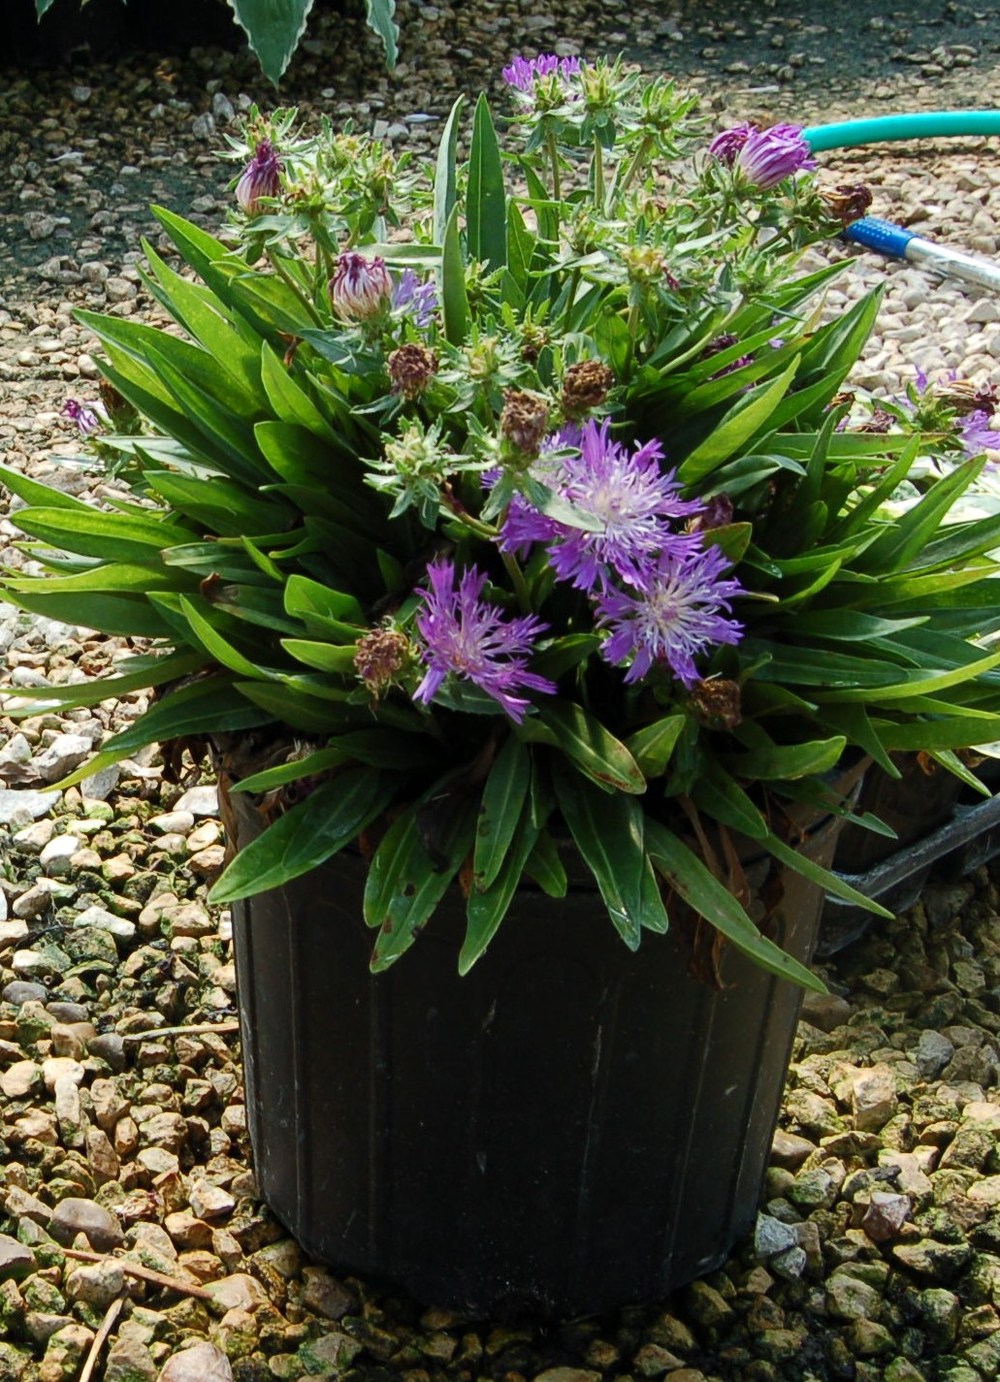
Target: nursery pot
{"x": 568, "y": 1128}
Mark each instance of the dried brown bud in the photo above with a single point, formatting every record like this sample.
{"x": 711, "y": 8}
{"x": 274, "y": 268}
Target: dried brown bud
{"x": 585, "y": 386}
{"x": 879, "y": 422}
{"x": 717, "y": 513}
{"x": 716, "y": 702}
{"x": 524, "y": 420}
{"x": 970, "y": 398}
{"x": 848, "y": 202}
{"x": 411, "y": 369}
{"x": 381, "y": 655}
{"x": 119, "y": 410}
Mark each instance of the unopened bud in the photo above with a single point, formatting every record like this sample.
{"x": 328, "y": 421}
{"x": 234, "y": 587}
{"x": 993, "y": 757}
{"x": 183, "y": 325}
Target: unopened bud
{"x": 261, "y": 178}
{"x": 360, "y": 288}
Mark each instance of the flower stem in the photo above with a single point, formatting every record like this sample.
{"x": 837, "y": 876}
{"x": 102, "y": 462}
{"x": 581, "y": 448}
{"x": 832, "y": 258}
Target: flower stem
{"x": 554, "y": 162}
{"x": 517, "y": 581}
{"x": 275, "y": 262}
{"x": 598, "y": 177}
{"x": 638, "y": 158}
{"x": 632, "y": 327}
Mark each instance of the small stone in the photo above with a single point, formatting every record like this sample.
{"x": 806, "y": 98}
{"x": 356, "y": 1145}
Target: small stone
{"x": 932, "y": 1260}
{"x": 209, "y": 1201}
{"x": 325, "y": 1295}
{"x": 119, "y": 927}
{"x": 129, "y": 1360}
{"x": 238, "y": 1292}
{"x": 202, "y": 1362}
{"x": 873, "y": 1097}
{"x": 199, "y": 801}
{"x": 706, "y": 1306}
{"x": 885, "y": 1215}
{"x": 21, "y": 807}
{"x": 566, "y": 1374}
{"x": 96, "y": 1284}
{"x": 19, "y": 1079}
{"x": 58, "y": 1068}
{"x": 99, "y": 1225}
{"x": 16, "y": 1259}
{"x": 825, "y": 1011}
{"x": 848, "y": 1298}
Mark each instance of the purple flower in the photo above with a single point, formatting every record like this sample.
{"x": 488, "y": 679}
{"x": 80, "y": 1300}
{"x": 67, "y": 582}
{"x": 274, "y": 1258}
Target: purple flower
{"x": 464, "y": 635}
{"x": 261, "y": 178}
{"x": 360, "y": 288}
{"x": 415, "y": 298}
{"x": 729, "y": 143}
{"x": 85, "y": 417}
{"x": 677, "y": 614}
{"x": 631, "y": 496}
{"x": 764, "y": 157}
{"x": 522, "y": 72}
{"x": 976, "y": 433}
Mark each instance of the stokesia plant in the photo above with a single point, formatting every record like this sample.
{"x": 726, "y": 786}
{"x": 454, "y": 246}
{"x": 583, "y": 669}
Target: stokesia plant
{"x": 508, "y": 508}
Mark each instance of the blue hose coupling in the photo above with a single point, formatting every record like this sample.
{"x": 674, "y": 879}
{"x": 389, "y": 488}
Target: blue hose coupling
{"x": 880, "y": 235}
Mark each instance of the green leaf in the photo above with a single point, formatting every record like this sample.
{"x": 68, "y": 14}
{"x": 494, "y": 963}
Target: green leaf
{"x": 307, "y": 835}
{"x": 608, "y": 832}
{"x": 771, "y": 762}
{"x": 487, "y": 908}
{"x": 651, "y": 747}
{"x": 325, "y": 657}
{"x": 107, "y": 536}
{"x": 221, "y": 506}
{"x": 946, "y": 732}
{"x": 486, "y": 201}
{"x": 582, "y": 737}
{"x": 739, "y": 424}
{"x": 380, "y": 20}
{"x": 289, "y": 399}
{"x": 828, "y": 880}
{"x": 323, "y": 610}
{"x": 405, "y": 885}
{"x": 209, "y": 706}
{"x": 218, "y": 647}
{"x": 454, "y": 298}
{"x": 546, "y": 867}
{"x": 273, "y": 28}
{"x": 503, "y": 802}
{"x": 296, "y": 707}
{"x": 132, "y": 674}
{"x": 716, "y": 794}
{"x": 42, "y": 496}
{"x": 122, "y": 616}
{"x": 445, "y": 176}
{"x": 704, "y": 894}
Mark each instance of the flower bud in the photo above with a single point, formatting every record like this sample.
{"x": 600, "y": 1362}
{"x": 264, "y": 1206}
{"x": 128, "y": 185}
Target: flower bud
{"x": 411, "y": 369}
{"x": 85, "y": 418}
{"x": 585, "y": 386}
{"x": 121, "y": 413}
{"x": 360, "y": 288}
{"x": 524, "y": 420}
{"x": 261, "y": 178}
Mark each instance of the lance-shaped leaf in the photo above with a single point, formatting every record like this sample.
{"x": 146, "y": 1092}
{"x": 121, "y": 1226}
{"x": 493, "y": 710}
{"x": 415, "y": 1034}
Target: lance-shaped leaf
{"x": 486, "y": 201}
{"x": 704, "y": 894}
{"x": 307, "y": 835}
{"x": 504, "y": 799}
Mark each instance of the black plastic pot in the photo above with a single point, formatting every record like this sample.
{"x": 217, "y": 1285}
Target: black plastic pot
{"x": 568, "y": 1128}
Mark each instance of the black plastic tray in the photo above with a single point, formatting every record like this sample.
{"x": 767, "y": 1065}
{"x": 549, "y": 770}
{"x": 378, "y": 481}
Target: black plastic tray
{"x": 969, "y": 838}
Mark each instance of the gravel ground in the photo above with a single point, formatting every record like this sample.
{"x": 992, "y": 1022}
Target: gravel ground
{"x": 124, "y": 1156}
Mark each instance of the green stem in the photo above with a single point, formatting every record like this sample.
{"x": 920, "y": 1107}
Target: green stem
{"x": 632, "y": 327}
{"x": 554, "y": 162}
{"x": 574, "y": 284}
{"x": 275, "y": 262}
{"x": 468, "y": 520}
{"x": 638, "y": 159}
{"x": 599, "y": 177}
{"x": 517, "y": 581}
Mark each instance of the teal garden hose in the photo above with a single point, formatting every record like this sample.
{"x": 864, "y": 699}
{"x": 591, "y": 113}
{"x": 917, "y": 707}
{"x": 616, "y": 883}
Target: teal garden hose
{"x": 893, "y": 240}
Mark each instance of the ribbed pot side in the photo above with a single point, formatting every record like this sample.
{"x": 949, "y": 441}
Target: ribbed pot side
{"x": 568, "y": 1128}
